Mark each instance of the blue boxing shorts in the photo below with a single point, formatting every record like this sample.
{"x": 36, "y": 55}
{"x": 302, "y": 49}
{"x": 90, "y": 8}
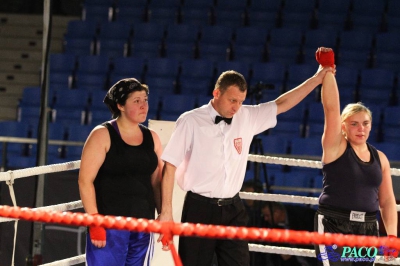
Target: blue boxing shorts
{"x": 123, "y": 248}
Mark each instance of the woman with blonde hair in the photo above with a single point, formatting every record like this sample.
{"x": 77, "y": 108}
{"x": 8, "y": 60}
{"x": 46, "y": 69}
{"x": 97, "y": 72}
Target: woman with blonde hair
{"x": 356, "y": 176}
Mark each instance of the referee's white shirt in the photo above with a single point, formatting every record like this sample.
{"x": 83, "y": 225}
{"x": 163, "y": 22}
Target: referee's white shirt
{"x": 211, "y": 158}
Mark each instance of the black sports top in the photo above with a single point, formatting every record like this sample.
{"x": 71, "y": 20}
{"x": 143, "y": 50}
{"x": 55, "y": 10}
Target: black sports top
{"x": 123, "y": 183}
{"x": 351, "y": 184}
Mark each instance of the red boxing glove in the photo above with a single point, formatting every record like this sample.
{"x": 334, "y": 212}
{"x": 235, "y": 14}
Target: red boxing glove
{"x": 391, "y": 253}
{"x": 325, "y": 58}
{"x": 97, "y": 233}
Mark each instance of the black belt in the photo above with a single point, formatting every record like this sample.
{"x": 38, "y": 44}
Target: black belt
{"x": 344, "y": 214}
{"x": 217, "y": 201}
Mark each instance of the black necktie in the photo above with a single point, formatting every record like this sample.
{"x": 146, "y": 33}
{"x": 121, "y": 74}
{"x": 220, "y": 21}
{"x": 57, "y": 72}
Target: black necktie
{"x": 220, "y": 118}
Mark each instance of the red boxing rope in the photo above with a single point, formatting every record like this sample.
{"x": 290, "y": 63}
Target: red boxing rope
{"x": 201, "y": 230}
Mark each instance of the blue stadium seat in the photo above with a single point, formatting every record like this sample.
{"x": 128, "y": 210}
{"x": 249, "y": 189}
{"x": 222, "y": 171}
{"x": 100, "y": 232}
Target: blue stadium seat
{"x": 266, "y": 5}
{"x": 310, "y": 146}
{"x": 164, "y": 3}
{"x": 334, "y": 7}
{"x": 162, "y": 85}
{"x": 239, "y": 66}
{"x": 198, "y": 4}
{"x": 332, "y": 21}
{"x": 387, "y": 60}
{"x": 379, "y": 79}
{"x": 163, "y": 15}
{"x": 79, "y": 46}
{"x": 71, "y": 99}
{"x": 315, "y": 113}
{"x": 249, "y": 53}
{"x": 94, "y": 64}
{"x": 391, "y": 23}
{"x": 273, "y": 144}
{"x": 162, "y": 67}
{"x": 355, "y": 40}
{"x": 61, "y": 80}
{"x": 353, "y": 58}
{"x": 112, "y": 48}
{"x": 296, "y": 114}
{"x": 262, "y": 18}
{"x": 91, "y": 81}
{"x": 175, "y": 105}
{"x": 393, "y": 8}
{"x": 217, "y": 34}
{"x": 370, "y": 23}
{"x": 73, "y": 153}
{"x": 79, "y": 132}
{"x": 214, "y": 52}
{"x": 150, "y": 32}
{"x": 57, "y": 131}
{"x": 285, "y": 37}
{"x": 387, "y": 42}
{"x": 197, "y": 69}
{"x": 368, "y": 8}
{"x": 315, "y": 129}
{"x": 297, "y": 20}
{"x": 299, "y": 6}
{"x": 347, "y": 94}
{"x": 347, "y": 76}
{"x": 198, "y": 16}
{"x": 268, "y": 73}
{"x": 68, "y": 116}
{"x": 391, "y": 116}
{"x": 297, "y": 74}
{"x": 130, "y": 14}
{"x": 287, "y": 129}
{"x": 195, "y": 87}
{"x": 78, "y": 29}
{"x": 96, "y": 98}
{"x": 129, "y": 66}
{"x": 180, "y": 51}
{"x": 145, "y": 49}
{"x": 98, "y": 117}
{"x": 283, "y": 55}
{"x": 31, "y": 96}
{"x": 115, "y": 30}
{"x": 62, "y": 62}
{"x": 182, "y": 33}
{"x": 14, "y": 129}
{"x": 29, "y": 114}
{"x": 390, "y": 149}
{"x": 369, "y": 95}
{"x": 232, "y": 18}
{"x": 317, "y": 38}
{"x": 96, "y": 12}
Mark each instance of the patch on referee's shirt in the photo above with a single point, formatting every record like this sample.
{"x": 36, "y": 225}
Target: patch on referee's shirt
{"x": 238, "y": 145}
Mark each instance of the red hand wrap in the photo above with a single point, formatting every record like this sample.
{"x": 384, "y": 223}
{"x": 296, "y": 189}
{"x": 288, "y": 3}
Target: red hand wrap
{"x": 97, "y": 232}
{"x": 390, "y": 253}
{"x": 165, "y": 241}
{"x": 325, "y": 58}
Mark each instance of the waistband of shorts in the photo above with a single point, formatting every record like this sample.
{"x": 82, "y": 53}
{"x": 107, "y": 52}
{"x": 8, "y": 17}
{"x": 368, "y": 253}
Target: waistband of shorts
{"x": 216, "y": 201}
{"x": 345, "y": 214}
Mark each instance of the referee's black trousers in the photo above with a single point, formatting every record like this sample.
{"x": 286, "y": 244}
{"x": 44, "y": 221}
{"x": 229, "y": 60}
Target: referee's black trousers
{"x": 196, "y": 251}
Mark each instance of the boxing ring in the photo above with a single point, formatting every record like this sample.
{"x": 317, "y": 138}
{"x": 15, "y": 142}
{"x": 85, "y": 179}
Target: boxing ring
{"x": 62, "y": 214}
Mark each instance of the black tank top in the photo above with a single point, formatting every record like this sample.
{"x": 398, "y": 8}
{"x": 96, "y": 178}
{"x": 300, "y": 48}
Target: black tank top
{"x": 352, "y": 184}
{"x": 123, "y": 183}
